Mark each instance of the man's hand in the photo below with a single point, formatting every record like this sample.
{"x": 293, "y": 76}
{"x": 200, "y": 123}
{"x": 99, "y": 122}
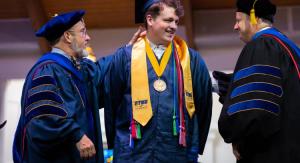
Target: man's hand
{"x": 223, "y": 83}
{"x": 139, "y": 33}
{"x": 86, "y": 148}
{"x": 236, "y": 153}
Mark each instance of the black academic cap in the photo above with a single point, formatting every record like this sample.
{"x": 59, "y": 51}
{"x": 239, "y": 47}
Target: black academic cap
{"x": 263, "y": 8}
{"x": 141, "y": 6}
{"x": 55, "y": 27}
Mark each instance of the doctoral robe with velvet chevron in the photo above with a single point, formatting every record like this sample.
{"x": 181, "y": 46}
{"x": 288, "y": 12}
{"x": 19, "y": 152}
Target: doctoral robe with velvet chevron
{"x": 157, "y": 143}
{"x": 59, "y": 106}
{"x": 261, "y": 113}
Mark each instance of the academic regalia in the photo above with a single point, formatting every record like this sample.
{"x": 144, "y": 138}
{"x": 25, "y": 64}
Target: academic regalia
{"x": 261, "y": 112}
{"x": 58, "y": 108}
{"x": 157, "y": 143}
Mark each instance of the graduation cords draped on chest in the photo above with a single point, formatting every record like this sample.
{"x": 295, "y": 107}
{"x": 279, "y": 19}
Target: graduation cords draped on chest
{"x": 141, "y": 102}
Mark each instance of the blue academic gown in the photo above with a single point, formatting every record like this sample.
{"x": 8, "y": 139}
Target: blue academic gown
{"x": 58, "y": 107}
{"x": 157, "y": 143}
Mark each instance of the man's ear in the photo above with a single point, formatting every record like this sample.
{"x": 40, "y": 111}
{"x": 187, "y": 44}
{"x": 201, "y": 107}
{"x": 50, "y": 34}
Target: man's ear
{"x": 259, "y": 20}
{"x": 68, "y": 36}
{"x": 149, "y": 20}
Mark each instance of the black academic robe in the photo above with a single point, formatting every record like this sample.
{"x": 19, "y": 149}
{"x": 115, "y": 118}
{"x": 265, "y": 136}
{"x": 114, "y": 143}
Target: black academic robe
{"x": 58, "y": 107}
{"x": 261, "y": 113}
{"x": 157, "y": 143}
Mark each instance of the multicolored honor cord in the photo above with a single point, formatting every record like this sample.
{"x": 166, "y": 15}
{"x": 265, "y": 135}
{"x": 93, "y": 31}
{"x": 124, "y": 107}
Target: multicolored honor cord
{"x": 182, "y": 131}
{"x": 175, "y": 98}
{"x": 135, "y": 132}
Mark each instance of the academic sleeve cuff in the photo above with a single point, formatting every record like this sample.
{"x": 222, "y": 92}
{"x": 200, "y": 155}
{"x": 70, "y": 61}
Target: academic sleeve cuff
{"x": 77, "y": 136}
{"x": 193, "y": 155}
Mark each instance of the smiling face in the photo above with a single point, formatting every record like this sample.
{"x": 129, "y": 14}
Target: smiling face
{"x": 162, "y": 28}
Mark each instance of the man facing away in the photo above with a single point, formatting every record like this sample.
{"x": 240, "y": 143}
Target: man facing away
{"x": 260, "y": 116}
{"x": 158, "y": 106}
{"x": 58, "y": 123}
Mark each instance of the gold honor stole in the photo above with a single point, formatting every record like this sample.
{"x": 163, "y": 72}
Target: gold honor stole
{"x": 141, "y": 102}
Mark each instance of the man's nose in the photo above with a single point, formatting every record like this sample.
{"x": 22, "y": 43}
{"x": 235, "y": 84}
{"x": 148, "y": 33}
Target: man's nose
{"x": 174, "y": 25}
{"x": 236, "y": 26}
{"x": 88, "y": 38}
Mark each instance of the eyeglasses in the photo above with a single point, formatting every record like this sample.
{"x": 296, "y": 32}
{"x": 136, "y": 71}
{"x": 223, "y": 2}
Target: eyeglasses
{"x": 83, "y": 32}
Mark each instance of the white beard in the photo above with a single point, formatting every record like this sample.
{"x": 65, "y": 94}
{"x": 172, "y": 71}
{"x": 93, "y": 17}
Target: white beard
{"x": 84, "y": 53}
{"x": 81, "y": 53}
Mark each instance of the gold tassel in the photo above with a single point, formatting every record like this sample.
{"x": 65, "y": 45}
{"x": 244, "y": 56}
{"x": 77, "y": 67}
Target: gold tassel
{"x": 252, "y": 14}
{"x": 253, "y": 17}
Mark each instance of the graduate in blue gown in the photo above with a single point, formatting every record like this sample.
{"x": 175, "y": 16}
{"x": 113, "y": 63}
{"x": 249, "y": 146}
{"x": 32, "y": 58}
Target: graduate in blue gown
{"x": 158, "y": 93}
{"x": 59, "y": 119}
{"x": 260, "y": 115}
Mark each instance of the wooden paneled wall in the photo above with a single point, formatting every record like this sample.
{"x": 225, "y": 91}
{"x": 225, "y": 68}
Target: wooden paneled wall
{"x": 100, "y": 13}
{"x": 221, "y": 4}
{"x": 11, "y": 9}
{"x": 106, "y": 13}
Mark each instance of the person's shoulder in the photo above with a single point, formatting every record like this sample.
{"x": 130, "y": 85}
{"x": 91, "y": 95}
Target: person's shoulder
{"x": 47, "y": 67}
{"x": 123, "y": 53}
{"x": 263, "y": 50}
{"x": 52, "y": 61}
{"x": 193, "y": 51}
{"x": 262, "y": 41}
{"x": 41, "y": 71}
{"x": 89, "y": 64}
{"x": 261, "y": 47}
{"x": 87, "y": 61}
{"x": 124, "y": 50}
{"x": 195, "y": 55}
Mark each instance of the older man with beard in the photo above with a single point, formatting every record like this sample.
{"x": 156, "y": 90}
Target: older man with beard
{"x": 57, "y": 123}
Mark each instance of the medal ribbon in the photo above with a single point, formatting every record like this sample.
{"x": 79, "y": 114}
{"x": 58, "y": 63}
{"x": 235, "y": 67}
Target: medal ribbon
{"x": 158, "y": 68}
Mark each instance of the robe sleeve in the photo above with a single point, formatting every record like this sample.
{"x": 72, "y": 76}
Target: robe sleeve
{"x": 203, "y": 100}
{"x": 251, "y": 112}
{"x": 193, "y": 149}
{"x": 114, "y": 84}
{"x": 48, "y": 118}
{"x": 95, "y": 73}
{"x": 103, "y": 65}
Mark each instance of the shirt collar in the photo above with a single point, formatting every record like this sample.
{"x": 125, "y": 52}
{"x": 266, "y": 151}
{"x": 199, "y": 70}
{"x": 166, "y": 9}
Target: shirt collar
{"x": 157, "y": 49}
{"x": 155, "y": 46}
{"x": 61, "y": 52}
{"x": 265, "y": 28}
